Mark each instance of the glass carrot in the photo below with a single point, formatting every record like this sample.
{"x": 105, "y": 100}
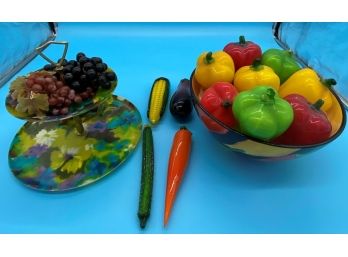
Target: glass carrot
{"x": 178, "y": 160}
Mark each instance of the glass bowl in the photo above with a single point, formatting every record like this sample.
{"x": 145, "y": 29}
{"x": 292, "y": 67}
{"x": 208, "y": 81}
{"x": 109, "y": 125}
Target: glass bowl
{"x": 258, "y": 149}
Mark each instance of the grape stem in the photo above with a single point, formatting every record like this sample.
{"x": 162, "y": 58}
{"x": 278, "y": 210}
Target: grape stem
{"x": 101, "y": 108}
{"x": 78, "y": 125}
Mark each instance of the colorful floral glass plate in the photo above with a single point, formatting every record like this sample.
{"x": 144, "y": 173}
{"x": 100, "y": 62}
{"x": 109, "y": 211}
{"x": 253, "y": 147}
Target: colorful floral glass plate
{"x": 53, "y": 156}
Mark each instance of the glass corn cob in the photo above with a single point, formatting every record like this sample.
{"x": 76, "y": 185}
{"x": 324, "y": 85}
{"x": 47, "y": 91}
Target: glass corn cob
{"x": 158, "y": 99}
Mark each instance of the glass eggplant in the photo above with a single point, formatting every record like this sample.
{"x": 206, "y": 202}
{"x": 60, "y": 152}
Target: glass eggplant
{"x": 180, "y": 102}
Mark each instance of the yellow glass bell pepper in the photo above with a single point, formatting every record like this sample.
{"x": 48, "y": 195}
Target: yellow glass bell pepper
{"x": 248, "y": 77}
{"x": 307, "y": 83}
{"x": 214, "y": 67}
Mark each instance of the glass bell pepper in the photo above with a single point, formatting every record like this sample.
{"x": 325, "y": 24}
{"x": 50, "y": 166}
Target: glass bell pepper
{"x": 214, "y": 67}
{"x": 261, "y": 113}
{"x": 243, "y": 52}
{"x": 217, "y": 100}
{"x": 307, "y": 83}
{"x": 282, "y": 62}
{"x": 256, "y": 74}
{"x": 310, "y": 125}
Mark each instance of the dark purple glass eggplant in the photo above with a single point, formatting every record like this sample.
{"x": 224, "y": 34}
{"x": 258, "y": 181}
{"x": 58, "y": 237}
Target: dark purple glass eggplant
{"x": 180, "y": 103}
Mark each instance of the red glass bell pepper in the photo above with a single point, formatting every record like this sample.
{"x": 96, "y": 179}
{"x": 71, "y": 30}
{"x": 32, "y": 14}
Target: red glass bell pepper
{"x": 243, "y": 52}
{"x": 217, "y": 100}
{"x": 310, "y": 125}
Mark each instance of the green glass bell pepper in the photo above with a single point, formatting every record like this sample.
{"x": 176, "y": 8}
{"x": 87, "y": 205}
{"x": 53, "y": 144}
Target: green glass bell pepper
{"x": 261, "y": 113}
{"x": 282, "y": 62}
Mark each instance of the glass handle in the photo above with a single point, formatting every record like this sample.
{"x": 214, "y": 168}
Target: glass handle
{"x": 41, "y": 48}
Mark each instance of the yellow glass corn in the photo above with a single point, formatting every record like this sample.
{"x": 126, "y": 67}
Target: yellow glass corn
{"x": 158, "y": 99}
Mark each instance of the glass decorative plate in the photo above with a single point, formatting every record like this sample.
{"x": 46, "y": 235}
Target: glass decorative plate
{"x": 20, "y": 90}
{"x": 55, "y": 156}
{"x": 74, "y": 110}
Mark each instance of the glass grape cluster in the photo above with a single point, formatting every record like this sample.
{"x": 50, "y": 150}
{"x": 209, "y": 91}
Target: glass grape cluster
{"x": 55, "y": 89}
{"x": 84, "y": 73}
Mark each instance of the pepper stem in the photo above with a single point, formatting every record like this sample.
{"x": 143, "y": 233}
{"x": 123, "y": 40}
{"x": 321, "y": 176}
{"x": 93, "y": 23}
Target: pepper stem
{"x": 318, "y": 104}
{"x": 270, "y": 93}
{"x": 226, "y": 104}
{"x": 329, "y": 82}
{"x": 209, "y": 58}
{"x": 257, "y": 65}
{"x": 289, "y": 52}
{"x": 268, "y": 97}
{"x": 242, "y": 40}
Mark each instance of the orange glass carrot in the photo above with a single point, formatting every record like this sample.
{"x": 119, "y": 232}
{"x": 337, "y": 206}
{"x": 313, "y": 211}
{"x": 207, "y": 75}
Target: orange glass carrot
{"x": 178, "y": 160}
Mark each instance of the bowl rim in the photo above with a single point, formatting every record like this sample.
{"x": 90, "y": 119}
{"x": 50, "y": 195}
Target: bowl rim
{"x": 196, "y": 102}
